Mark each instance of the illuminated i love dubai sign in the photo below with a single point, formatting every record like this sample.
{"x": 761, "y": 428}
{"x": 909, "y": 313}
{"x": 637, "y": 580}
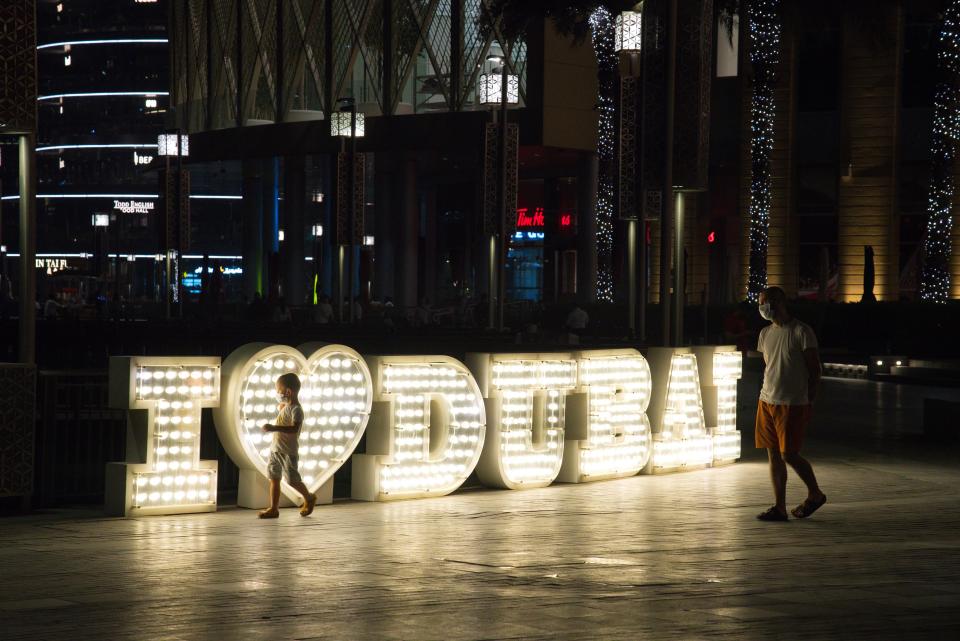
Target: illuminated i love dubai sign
{"x": 517, "y": 420}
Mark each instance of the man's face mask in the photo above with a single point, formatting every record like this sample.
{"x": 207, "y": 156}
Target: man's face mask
{"x": 766, "y": 311}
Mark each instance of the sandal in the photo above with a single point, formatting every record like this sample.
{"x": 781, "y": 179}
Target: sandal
{"x": 808, "y": 507}
{"x": 268, "y": 514}
{"x": 308, "y": 504}
{"x": 773, "y": 514}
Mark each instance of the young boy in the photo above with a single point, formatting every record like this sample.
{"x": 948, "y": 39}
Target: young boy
{"x": 284, "y": 453}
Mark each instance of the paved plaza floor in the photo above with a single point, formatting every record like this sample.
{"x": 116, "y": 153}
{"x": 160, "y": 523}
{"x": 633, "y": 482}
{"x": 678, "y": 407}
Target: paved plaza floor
{"x": 663, "y": 557}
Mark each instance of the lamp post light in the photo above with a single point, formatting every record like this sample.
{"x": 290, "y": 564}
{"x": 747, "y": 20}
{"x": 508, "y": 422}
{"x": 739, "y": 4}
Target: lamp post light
{"x": 131, "y": 275}
{"x": 498, "y": 88}
{"x": 628, "y": 31}
{"x": 173, "y": 145}
{"x": 158, "y": 266}
{"x": 347, "y": 123}
{"x": 317, "y": 233}
{"x": 99, "y": 222}
{"x": 628, "y": 43}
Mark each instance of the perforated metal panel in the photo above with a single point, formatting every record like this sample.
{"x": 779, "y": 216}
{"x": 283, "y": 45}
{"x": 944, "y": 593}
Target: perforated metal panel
{"x": 18, "y": 66}
{"x": 18, "y": 392}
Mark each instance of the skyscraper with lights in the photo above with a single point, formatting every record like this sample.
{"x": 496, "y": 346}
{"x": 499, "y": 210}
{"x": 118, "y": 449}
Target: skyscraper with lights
{"x": 103, "y": 85}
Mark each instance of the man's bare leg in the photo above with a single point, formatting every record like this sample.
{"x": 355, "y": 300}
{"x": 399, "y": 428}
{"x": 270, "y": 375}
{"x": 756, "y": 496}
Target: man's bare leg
{"x": 804, "y": 470}
{"x": 778, "y": 477}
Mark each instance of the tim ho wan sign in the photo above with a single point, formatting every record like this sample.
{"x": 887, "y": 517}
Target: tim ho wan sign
{"x": 519, "y": 420}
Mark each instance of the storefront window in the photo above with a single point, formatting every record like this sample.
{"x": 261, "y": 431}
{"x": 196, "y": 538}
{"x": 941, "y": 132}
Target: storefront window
{"x": 818, "y": 162}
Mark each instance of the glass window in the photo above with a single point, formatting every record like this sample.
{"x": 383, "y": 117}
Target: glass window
{"x": 919, "y": 63}
{"x": 818, "y": 80}
{"x": 728, "y": 40}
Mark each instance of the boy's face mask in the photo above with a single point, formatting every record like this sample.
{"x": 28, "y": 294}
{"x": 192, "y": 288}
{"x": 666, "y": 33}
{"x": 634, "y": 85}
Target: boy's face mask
{"x": 766, "y": 311}
{"x": 282, "y": 397}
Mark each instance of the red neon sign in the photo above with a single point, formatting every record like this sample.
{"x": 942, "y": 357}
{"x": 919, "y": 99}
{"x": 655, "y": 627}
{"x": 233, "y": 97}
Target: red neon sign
{"x": 537, "y": 218}
{"x": 526, "y": 220}
{"x": 712, "y": 237}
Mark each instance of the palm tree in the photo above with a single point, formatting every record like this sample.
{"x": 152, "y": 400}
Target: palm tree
{"x": 578, "y": 20}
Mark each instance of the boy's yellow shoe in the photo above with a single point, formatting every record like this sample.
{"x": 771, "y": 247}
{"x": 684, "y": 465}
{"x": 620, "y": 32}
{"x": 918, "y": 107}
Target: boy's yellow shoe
{"x": 307, "y": 508}
{"x": 268, "y": 514}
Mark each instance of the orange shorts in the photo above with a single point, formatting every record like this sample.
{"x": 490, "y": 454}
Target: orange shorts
{"x": 781, "y": 426}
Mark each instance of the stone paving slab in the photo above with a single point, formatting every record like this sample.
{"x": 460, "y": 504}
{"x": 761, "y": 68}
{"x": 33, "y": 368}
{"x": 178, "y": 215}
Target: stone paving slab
{"x": 664, "y": 557}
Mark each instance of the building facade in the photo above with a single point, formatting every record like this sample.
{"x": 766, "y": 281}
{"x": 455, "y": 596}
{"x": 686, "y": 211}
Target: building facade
{"x": 257, "y": 84}
{"x": 103, "y": 79}
{"x": 851, "y": 163}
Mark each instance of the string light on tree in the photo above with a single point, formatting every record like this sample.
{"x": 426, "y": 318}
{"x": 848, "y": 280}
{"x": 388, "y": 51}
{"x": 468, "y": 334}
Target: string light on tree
{"x": 935, "y": 282}
{"x": 602, "y": 34}
{"x": 764, "y": 28}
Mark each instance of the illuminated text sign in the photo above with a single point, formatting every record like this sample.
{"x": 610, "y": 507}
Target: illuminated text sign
{"x": 519, "y": 420}
{"x": 133, "y": 206}
{"x": 163, "y": 473}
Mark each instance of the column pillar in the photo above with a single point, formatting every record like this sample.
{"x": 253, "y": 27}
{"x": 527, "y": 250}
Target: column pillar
{"x": 28, "y": 249}
{"x": 587, "y": 172}
{"x": 405, "y": 282}
{"x": 295, "y": 230}
{"x": 252, "y": 228}
{"x": 384, "y": 229}
{"x": 430, "y": 262}
{"x": 270, "y": 224}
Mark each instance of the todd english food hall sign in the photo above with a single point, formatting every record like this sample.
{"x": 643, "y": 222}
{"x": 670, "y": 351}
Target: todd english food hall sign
{"x": 133, "y": 206}
{"x": 520, "y": 420}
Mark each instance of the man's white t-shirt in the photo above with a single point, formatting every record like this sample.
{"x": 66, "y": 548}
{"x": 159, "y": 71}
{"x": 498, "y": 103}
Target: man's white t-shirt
{"x": 288, "y": 442}
{"x": 785, "y": 378}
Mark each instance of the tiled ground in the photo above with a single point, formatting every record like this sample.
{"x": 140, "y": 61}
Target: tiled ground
{"x": 668, "y": 557}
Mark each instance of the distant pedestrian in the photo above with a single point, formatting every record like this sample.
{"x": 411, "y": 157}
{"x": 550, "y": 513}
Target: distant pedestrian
{"x": 281, "y": 313}
{"x": 256, "y": 310}
{"x": 577, "y": 321}
{"x": 790, "y": 382}
{"x": 423, "y": 314}
{"x": 285, "y": 450}
{"x": 323, "y": 311}
{"x": 6, "y": 298}
{"x": 51, "y": 308}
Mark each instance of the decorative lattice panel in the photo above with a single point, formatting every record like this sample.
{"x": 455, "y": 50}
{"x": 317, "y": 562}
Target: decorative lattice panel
{"x": 18, "y": 391}
{"x": 18, "y": 66}
{"x": 343, "y": 203}
{"x": 491, "y": 169}
{"x": 629, "y": 95}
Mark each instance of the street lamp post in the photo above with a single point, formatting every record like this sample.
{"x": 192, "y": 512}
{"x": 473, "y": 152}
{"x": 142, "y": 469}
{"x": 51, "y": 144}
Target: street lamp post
{"x": 498, "y": 88}
{"x": 116, "y": 266}
{"x": 671, "y": 199}
{"x": 628, "y": 41}
{"x": 173, "y": 145}
{"x": 99, "y": 222}
{"x": 317, "y": 233}
{"x": 348, "y": 123}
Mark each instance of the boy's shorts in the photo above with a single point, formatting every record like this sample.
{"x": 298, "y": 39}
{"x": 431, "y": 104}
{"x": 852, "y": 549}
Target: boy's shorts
{"x": 283, "y": 465}
{"x": 781, "y": 426}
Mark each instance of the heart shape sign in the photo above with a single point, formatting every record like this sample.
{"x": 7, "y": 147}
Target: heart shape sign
{"x": 336, "y": 395}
